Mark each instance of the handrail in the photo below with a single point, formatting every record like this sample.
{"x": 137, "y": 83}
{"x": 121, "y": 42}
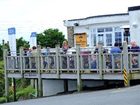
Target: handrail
{"x": 58, "y": 62}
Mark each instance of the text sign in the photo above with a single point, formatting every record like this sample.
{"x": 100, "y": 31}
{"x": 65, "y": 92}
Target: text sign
{"x": 33, "y": 34}
{"x": 81, "y": 39}
{"x": 11, "y": 31}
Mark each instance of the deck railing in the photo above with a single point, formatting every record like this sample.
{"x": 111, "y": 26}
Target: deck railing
{"x": 87, "y": 61}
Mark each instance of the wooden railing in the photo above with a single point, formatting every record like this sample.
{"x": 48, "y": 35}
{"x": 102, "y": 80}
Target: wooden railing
{"x": 82, "y": 60}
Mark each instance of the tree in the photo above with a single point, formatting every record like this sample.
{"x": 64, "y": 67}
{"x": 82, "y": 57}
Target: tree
{"x": 1, "y": 52}
{"x": 21, "y": 43}
{"x": 50, "y": 37}
{"x": 1, "y": 78}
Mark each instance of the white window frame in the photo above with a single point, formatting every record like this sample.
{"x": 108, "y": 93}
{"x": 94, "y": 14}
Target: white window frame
{"x": 93, "y": 37}
{"x": 110, "y": 39}
{"x": 118, "y": 29}
{"x": 104, "y": 35}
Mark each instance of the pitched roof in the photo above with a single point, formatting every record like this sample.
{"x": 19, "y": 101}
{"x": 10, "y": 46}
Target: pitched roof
{"x": 108, "y": 15}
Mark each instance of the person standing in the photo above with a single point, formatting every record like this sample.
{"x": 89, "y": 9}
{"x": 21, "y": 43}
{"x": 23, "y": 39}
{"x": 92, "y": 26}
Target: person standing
{"x": 34, "y": 54}
{"x": 65, "y": 48}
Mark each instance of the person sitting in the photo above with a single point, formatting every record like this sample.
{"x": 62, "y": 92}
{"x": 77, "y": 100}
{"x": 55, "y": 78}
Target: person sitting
{"x": 135, "y": 49}
{"x": 94, "y": 56}
{"x": 115, "y": 50}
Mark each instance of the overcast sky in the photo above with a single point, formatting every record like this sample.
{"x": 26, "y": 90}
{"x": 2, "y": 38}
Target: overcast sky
{"x": 37, "y": 15}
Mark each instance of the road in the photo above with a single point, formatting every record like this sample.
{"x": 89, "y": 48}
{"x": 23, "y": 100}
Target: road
{"x": 120, "y": 96}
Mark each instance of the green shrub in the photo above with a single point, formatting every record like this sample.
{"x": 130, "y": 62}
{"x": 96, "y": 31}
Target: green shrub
{"x": 1, "y": 64}
{"x": 2, "y": 99}
{"x": 25, "y": 93}
{"x": 1, "y": 79}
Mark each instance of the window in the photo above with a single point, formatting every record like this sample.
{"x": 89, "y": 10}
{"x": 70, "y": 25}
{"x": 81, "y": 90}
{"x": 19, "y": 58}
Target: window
{"x": 100, "y": 30}
{"x": 127, "y": 35}
{"x": 109, "y": 29}
{"x": 108, "y": 39}
{"x": 118, "y": 38}
{"x": 94, "y": 39}
{"x": 117, "y": 29}
{"x": 104, "y": 35}
{"x": 101, "y": 38}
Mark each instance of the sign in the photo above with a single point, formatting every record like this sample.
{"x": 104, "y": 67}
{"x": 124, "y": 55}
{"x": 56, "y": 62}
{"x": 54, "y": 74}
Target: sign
{"x": 33, "y": 39}
{"x": 30, "y": 75}
{"x": 125, "y": 76}
{"x": 33, "y": 34}
{"x": 11, "y": 31}
{"x": 12, "y": 40}
{"x": 81, "y": 39}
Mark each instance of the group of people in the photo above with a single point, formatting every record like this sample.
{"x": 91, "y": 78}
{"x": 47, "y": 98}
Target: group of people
{"x": 32, "y": 53}
{"x": 113, "y": 57}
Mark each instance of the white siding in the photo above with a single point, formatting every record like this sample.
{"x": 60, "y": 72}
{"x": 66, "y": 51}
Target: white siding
{"x": 134, "y": 17}
{"x": 88, "y": 24}
{"x": 98, "y": 20}
{"x": 52, "y": 87}
{"x": 88, "y": 29}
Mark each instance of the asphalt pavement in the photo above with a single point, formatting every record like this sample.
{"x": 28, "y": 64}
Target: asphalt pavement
{"x": 120, "y": 96}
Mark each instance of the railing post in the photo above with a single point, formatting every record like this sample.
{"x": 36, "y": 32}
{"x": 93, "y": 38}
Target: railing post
{"x": 57, "y": 60}
{"x": 125, "y": 64}
{"x": 14, "y": 88}
{"x": 79, "y": 82}
{"x": 39, "y": 72}
{"x": 6, "y": 75}
{"x": 100, "y": 61}
{"x": 21, "y": 62}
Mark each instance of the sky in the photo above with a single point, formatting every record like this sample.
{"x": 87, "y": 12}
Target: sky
{"x": 37, "y": 15}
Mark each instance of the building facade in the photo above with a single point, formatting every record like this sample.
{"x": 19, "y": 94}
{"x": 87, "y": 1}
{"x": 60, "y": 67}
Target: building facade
{"x": 105, "y": 29}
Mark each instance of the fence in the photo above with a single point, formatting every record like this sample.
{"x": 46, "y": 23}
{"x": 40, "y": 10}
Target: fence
{"x": 83, "y": 59}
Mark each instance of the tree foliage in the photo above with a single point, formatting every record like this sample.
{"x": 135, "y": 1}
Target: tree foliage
{"x": 50, "y": 38}
{"x": 22, "y": 43}
{"x": 1, "y": 78}
{"x": 1, "y": 52}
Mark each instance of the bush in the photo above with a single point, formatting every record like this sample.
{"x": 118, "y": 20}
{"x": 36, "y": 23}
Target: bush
{"x": 1, "y": 78}
{"x": 25, "y": 93}
{"x": 2, "y": 99}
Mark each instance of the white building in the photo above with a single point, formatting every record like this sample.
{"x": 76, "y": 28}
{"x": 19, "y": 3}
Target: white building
{"x": 107, "y": 29}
